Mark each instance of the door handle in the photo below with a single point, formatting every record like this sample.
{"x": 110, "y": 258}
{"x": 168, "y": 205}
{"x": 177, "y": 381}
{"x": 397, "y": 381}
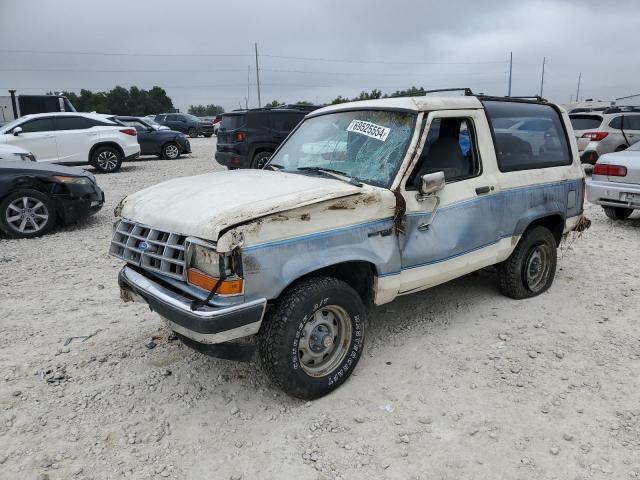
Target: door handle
{"x": 483, "y": 190}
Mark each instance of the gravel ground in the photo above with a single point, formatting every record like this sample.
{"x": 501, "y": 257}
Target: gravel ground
{"x": 456, "y": 382}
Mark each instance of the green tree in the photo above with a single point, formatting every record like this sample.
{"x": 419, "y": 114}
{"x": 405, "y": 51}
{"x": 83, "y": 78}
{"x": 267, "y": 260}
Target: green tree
{"x": 273, "y": 104}
{"x": 205, "y": 110}
{"x": 122, "y": 101}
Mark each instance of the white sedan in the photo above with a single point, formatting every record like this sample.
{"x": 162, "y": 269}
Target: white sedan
{"x": 615, "y": 183}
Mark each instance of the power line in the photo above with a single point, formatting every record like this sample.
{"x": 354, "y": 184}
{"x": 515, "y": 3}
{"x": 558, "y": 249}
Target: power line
{"x": 127, "y": 54}
{"x": 317, "y": 59}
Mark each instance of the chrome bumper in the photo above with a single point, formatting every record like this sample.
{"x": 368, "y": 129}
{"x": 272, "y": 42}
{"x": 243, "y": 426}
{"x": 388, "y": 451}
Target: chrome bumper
{"x": 208, "y": 325}
{"x": 612, "y": 194}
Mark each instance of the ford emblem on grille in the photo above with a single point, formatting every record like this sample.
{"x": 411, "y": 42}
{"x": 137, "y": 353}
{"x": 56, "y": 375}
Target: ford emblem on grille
{"x": 143, "y": 245}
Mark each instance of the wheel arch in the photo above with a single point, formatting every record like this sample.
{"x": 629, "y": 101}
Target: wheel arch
{"x": 553, "y": 222}
{"x": 105, "y": 144}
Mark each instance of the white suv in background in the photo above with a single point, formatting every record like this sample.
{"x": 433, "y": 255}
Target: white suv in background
{"x": 73, "y": 138}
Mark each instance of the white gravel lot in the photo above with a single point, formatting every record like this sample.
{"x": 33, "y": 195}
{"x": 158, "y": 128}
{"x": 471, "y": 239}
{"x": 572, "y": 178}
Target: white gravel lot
{"x": 457, "y": 382}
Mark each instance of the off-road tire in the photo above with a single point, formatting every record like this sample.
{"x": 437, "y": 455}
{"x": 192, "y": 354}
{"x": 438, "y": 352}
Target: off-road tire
{"x": 96, "y": 162}
{"x": 192, "y": 132}
{"x": 617, "y": 213}
{"x": 49, "y": 208}
{"x": 281, "y": 336}
{"x": 260, "y": 159}
{"x": 170, "y": 151}
{"x": 513, "y": 280}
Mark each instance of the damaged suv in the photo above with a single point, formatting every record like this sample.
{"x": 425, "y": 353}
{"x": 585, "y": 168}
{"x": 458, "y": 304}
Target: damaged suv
{"x": 362, "y": 203}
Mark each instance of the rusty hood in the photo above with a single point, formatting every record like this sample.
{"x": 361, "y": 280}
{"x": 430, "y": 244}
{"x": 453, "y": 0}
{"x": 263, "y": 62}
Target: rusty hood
{"x": 205, "y": 205}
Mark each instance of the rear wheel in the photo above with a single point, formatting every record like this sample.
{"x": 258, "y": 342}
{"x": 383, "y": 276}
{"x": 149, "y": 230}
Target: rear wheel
{"x": 106, "y": 159}
{"x": 193, "y": 133}
{"x": 531, "y": 268}
{"x": 170, "y": 151}
{"x": 260, "y": 159}
{"x": 617, "y": 213}
{"x": 312, "y": 340}
{"x": 27, "y": 214}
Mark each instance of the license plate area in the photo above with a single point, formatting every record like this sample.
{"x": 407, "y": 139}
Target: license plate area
{"x": 632, "y": 198}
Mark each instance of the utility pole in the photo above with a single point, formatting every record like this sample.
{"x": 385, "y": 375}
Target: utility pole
{"x": 510, "y": 71}
{"x": 258, "y": 76}
{"x": 248, "y": 85}
{"x": 578, "y": 92}
{"x": 544, "y": 61}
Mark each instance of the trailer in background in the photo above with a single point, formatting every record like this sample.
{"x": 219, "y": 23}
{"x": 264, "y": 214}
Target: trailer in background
{"x": 13, "y": 106}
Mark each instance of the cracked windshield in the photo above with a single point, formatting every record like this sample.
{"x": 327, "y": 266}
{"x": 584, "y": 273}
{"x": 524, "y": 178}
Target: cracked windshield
{"x": 365, "y": 145}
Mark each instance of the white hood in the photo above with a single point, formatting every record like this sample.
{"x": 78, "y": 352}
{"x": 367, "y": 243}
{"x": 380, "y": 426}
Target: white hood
{"x": 204, "y": 205}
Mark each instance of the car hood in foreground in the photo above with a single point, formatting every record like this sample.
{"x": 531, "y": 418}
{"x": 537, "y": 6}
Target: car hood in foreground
{"x": 205, "y": 205}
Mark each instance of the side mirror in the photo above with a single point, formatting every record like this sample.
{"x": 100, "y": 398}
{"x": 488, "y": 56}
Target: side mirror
{"x": 431, "y": 183}
{"x": 17, "y": 131}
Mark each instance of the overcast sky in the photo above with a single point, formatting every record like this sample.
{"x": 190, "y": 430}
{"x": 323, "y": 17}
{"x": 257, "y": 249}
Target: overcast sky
{"x": 199, "y": 51}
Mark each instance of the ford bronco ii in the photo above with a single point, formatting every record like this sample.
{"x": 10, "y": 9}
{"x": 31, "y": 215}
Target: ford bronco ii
{"x": 362, "y": 203}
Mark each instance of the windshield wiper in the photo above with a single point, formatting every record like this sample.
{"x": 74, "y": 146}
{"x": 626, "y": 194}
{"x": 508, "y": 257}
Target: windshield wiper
{"x": 337, "y": 174}
{"x": 274, "y": 166}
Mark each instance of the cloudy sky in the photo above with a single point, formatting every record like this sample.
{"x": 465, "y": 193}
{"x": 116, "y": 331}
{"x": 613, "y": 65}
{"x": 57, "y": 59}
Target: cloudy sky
{"x": 200, "y": 51}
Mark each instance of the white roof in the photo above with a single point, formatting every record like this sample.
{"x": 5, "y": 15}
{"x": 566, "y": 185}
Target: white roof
{"x": 95, "y": 116}
{"x": 418, "y": 104}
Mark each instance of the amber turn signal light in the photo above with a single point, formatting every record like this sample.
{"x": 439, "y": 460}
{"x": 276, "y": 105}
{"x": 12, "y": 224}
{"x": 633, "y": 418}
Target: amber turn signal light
{"x": 227, "y": 287}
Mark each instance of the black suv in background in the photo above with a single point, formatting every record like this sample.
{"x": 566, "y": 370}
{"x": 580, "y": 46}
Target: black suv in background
{"x": 185, "y": 123}
{"x": 248, "y": 138}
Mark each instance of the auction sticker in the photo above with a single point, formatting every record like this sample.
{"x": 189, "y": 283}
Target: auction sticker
{"x": 369, "y": 129}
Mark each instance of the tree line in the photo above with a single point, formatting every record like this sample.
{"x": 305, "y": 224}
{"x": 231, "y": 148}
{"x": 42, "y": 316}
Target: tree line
{"x": 140, "y": 102}
{"x": 121, "y": 101}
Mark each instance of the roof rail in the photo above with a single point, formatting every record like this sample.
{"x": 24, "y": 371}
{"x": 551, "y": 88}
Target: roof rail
{"x": 306, "y": 108}
{"x": 467, "y": 91}
{"x": 530, "y": 97}
{"x": 622, "y": 109}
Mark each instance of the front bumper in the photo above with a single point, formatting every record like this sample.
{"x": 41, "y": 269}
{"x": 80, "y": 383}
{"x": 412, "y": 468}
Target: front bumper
{"x": 80, "y": 201}
{"x": 612, "y": 194}
{"x": 207, "y": 325}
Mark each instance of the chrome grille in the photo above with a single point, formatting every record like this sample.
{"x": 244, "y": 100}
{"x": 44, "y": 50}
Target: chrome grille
{"x": 149, "y": 248}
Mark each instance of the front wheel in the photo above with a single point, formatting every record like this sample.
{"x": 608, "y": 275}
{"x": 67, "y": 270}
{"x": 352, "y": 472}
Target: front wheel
{"x": 312, "y": 340}
{"x": 27, "y": 214}
{"x": 617, "y": 213}
{"x": 531, "y": 268}
{"x": 170, "y": 151}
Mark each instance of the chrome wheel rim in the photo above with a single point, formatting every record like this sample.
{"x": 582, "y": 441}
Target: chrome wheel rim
{"x": 537, "y": 267}
{"x": 27, "y": 215}
{"x": 324, "y": 340}
{"x": 107, "y": 160}
{"x": 171, "y": 151}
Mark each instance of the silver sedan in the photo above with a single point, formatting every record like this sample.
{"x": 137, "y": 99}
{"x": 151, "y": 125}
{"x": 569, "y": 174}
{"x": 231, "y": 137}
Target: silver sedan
{"x": 615, "y": 183}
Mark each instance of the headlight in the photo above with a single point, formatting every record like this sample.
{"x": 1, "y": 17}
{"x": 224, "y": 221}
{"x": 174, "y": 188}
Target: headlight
{"x": 27, "y": 157}
{"x": 76, "y": 180}
{"x": 204, "y": 267}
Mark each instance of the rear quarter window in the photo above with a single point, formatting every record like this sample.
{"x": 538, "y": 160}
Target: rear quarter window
{"x": 536, "y": 139}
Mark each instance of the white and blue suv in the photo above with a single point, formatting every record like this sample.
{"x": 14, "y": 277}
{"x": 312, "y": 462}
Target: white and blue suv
{"x": 363, "y": 202}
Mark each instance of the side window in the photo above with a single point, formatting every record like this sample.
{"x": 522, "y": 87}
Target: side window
{"x": 537, "y": 139}
{"x": 139, "y": 126}
{"x": 172, "y": 118}
{"x": 71, "y": 123}
{"x": 37, "y": 125}
{"x": 450, "y": 147}
{"x": 160, "y": 118}
{"x": 632, "y": 122}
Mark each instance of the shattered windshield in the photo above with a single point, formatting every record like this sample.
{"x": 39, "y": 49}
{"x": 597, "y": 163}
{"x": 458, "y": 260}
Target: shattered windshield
{"x": 367, "y": 145}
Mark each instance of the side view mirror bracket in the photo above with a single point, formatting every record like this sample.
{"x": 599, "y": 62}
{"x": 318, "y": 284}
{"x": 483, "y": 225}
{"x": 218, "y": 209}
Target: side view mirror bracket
{"x": 430, "y": 184}
{"x": 17, "y": 131}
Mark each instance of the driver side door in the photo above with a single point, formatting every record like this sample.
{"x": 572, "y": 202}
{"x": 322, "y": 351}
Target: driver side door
{"x": 456, "y": 230}
{"x": 38, "y": 137}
